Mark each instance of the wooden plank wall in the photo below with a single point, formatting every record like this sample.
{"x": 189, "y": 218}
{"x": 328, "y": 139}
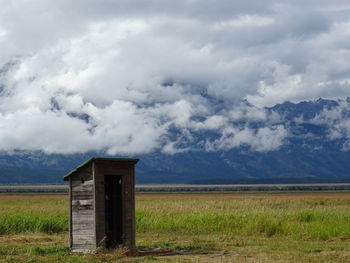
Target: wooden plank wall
{"x": 129, "y": 209}
{"x": 100, "y": 207}
{"x": 83, "y": 216}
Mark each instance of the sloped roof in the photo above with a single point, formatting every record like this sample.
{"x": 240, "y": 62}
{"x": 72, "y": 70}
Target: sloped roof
{"x": 134, "y": 161}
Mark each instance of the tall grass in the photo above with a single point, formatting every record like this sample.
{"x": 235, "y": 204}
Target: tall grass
{"x": 247, "y": 222}
{"x": 303, "y": 216}
{"x": 21, "y": 214}
{"x": 20, "y": 223}
{"x": 318, "y": 217}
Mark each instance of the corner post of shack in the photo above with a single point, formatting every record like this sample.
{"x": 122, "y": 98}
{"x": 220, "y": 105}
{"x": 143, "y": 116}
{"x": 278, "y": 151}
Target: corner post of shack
{"x": 102, "y": 204}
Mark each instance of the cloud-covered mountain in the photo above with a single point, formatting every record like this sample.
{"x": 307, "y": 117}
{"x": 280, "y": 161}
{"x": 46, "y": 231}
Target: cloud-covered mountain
{"x": 134, "y": 77}
{"x": 303, "y": 142}
{"x": 175, "y": 80}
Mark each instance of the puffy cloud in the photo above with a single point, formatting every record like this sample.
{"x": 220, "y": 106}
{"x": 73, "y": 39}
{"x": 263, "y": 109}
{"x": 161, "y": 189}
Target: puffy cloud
{"x": 337, "y": 121}
{"x": 262, "y": 139}
{"x": 135, "y": 76}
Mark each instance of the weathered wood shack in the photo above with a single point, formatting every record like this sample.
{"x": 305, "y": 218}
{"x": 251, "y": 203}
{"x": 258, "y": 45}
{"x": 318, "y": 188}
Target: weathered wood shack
{"x": 102, "y": 204}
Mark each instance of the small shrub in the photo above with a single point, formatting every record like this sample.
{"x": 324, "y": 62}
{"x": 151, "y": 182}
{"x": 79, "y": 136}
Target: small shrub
{"x": 269, "y": 227}
{"x": 306, "y": 216}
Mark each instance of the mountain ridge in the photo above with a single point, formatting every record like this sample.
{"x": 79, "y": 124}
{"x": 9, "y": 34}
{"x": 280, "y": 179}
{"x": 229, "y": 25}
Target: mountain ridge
{"x": 309, "y": 154}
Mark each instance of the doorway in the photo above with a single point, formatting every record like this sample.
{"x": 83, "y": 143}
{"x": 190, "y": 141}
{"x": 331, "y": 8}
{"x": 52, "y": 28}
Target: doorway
{"x": 113, "y": 210}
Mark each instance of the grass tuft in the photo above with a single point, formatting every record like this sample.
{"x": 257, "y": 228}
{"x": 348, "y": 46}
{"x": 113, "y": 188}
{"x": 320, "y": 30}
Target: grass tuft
{"x": 268, "y": 227}
{"x": 307, "y": 216}
{"x": 47, "y": 250}
{"x": 22, "y": 223}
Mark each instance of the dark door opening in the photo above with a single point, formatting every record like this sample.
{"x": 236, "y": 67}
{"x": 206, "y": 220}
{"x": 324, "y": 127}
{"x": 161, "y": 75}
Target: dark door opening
{"x": 113, "y": 210}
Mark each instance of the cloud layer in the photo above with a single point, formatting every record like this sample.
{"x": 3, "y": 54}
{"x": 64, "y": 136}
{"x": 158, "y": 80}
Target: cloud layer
{"x": 130, "y": 77}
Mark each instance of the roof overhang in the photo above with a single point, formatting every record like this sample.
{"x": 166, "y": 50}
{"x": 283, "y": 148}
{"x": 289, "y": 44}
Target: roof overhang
{"x": 126, "y": 160}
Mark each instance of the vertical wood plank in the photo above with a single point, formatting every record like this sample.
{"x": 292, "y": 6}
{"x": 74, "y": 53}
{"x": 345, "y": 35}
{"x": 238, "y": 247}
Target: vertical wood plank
{"x": 95, "y": 206}
{"x": 70, "y": 238}
{"x": 132, "y": 189}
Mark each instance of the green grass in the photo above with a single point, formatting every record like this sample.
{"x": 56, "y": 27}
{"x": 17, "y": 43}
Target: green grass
{"x": 308, "y": 219}
{"x": 305, "y": 219}
{"x": 304, "y": 227}
{"x": 22, "y": 223}
{"x": 47, "y": 250}
{"x": 22, "y": 214}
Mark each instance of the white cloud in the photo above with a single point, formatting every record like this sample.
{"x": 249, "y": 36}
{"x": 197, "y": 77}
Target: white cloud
{"x": 262, "y": 139}
{"x": 244, "y": 21}
{"x": 3, "y": 33}
{"x": 337, "y": 120}
{"x": 119, "y": 76}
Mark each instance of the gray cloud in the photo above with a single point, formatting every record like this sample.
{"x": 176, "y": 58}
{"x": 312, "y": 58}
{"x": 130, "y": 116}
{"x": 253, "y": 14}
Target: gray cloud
{"x": 118, "y": 76}
{"x": 337, "y": 121}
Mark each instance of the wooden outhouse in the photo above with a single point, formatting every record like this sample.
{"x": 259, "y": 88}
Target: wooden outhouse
{"x": 102, "y": 204}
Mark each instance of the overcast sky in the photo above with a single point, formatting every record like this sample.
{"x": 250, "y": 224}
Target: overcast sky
{"x": 117, "y": 76}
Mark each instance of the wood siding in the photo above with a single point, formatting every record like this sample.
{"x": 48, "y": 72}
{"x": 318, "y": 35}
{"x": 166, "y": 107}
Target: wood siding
{"x": 82, "y": 210}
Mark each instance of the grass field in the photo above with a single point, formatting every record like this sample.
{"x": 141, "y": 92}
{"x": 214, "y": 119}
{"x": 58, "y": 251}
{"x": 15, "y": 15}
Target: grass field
{"x": 240, "y": 227}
